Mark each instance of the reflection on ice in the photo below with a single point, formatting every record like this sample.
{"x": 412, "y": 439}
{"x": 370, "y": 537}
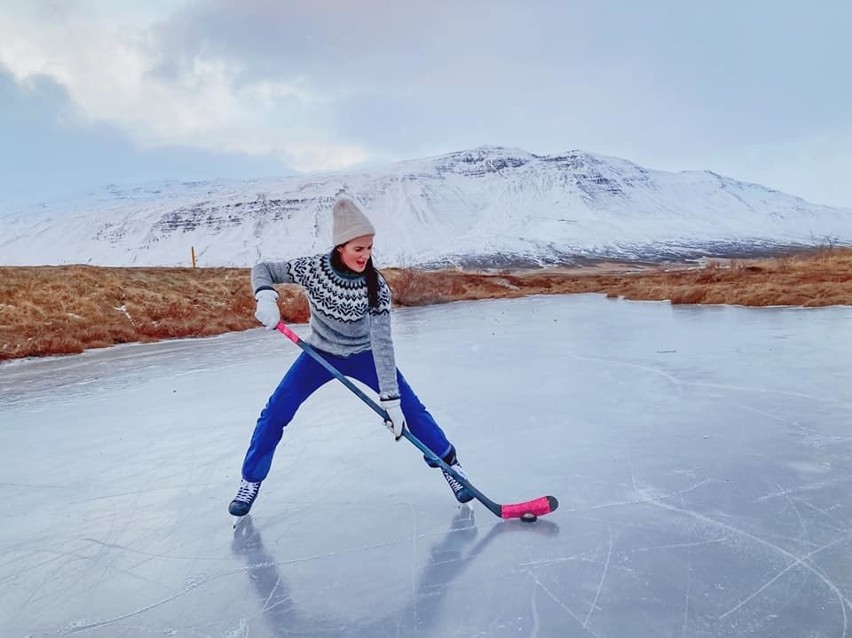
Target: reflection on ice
{"x": 447, "y": 557}
{"x": 701, "y": 456}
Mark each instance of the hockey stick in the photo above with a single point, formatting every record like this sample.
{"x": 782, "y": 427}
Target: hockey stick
{"x": 527, "y": 511}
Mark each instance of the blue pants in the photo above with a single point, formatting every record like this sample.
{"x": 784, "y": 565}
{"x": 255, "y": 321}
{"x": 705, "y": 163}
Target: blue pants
{"x": 303, "y": 378}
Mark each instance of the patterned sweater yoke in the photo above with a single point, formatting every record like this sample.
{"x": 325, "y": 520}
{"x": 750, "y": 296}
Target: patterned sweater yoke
{"x": 342, "y": 322}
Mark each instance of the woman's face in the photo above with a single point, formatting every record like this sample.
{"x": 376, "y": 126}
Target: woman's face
{"x": 355, "y": 253}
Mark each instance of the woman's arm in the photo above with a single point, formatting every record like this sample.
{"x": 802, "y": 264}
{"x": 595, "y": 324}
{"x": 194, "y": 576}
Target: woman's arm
{"x": 263, "y": 276}
{"x": 267, "y": 273}
{"x": 382, "y": 343}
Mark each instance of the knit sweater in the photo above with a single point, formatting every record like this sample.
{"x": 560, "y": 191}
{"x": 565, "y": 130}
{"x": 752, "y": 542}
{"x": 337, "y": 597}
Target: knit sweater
{"x": 342, "y": 323}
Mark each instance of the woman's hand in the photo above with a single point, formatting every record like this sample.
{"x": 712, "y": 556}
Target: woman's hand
{"x": 396, "y": 419}
{"x": 267, "y": 311}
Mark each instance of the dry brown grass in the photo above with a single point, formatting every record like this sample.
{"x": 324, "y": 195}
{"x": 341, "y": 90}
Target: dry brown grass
{"x": 63, "y": 310}
{"x": 816, "y": 278}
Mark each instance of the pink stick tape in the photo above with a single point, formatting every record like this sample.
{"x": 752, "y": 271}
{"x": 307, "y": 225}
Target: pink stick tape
{"x": 283, "y": 329}
{"x": 538, "y": 507}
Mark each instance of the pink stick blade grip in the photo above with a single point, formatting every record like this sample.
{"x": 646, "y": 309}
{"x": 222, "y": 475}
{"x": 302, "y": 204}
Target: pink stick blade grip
{"x": 539, "y": 506}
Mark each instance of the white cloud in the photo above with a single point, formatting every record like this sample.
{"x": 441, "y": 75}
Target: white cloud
{"x": 112, "y": 74}
{"x": 327, "y": 84}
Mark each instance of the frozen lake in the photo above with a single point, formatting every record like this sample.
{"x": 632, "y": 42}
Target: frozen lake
{"x": 702, "y": 457}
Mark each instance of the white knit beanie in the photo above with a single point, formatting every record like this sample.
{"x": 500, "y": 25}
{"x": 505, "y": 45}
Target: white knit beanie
{"x": 349, "y": 222}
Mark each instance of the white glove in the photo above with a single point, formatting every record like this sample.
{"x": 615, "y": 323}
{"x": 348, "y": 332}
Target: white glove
{"x": 267, "y": 311}
{"x": 396, "y": 420}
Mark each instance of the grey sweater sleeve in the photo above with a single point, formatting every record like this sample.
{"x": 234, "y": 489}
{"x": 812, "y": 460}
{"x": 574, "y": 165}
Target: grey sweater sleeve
{"x": 267, "y": 273}
{"x": 382, "y": 344}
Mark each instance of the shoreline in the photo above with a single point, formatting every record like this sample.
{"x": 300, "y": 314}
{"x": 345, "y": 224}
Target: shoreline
{"x": 58, "y": 310}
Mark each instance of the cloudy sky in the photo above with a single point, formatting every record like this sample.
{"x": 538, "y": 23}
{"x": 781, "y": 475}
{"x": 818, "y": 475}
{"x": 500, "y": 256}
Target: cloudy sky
{"x": 94, "y": 92}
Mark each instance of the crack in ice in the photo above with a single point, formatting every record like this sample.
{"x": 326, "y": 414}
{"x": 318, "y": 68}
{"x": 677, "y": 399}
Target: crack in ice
{"x": 600, "y": 584}
{"x": 844, "y": 601}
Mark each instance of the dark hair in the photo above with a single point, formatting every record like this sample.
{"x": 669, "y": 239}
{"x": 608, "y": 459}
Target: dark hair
{"x": 371, "y": 275}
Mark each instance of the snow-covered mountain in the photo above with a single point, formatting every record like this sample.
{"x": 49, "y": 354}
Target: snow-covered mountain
{"x": 489, "y": 205}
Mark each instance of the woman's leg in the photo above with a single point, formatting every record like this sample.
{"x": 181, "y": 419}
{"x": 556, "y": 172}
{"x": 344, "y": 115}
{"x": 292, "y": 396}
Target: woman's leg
{"x": 301, "y": 380}
{"x": 420, "y": 422}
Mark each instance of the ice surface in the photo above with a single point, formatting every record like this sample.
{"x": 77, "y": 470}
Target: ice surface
{"x": 702, "y": 457}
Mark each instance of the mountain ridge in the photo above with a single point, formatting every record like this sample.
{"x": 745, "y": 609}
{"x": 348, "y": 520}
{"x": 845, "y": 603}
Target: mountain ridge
{"x": 489, "y": 205}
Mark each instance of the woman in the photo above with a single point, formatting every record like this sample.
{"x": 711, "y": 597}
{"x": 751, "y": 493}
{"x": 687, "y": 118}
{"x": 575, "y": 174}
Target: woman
{"x": 350, "y": 304}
